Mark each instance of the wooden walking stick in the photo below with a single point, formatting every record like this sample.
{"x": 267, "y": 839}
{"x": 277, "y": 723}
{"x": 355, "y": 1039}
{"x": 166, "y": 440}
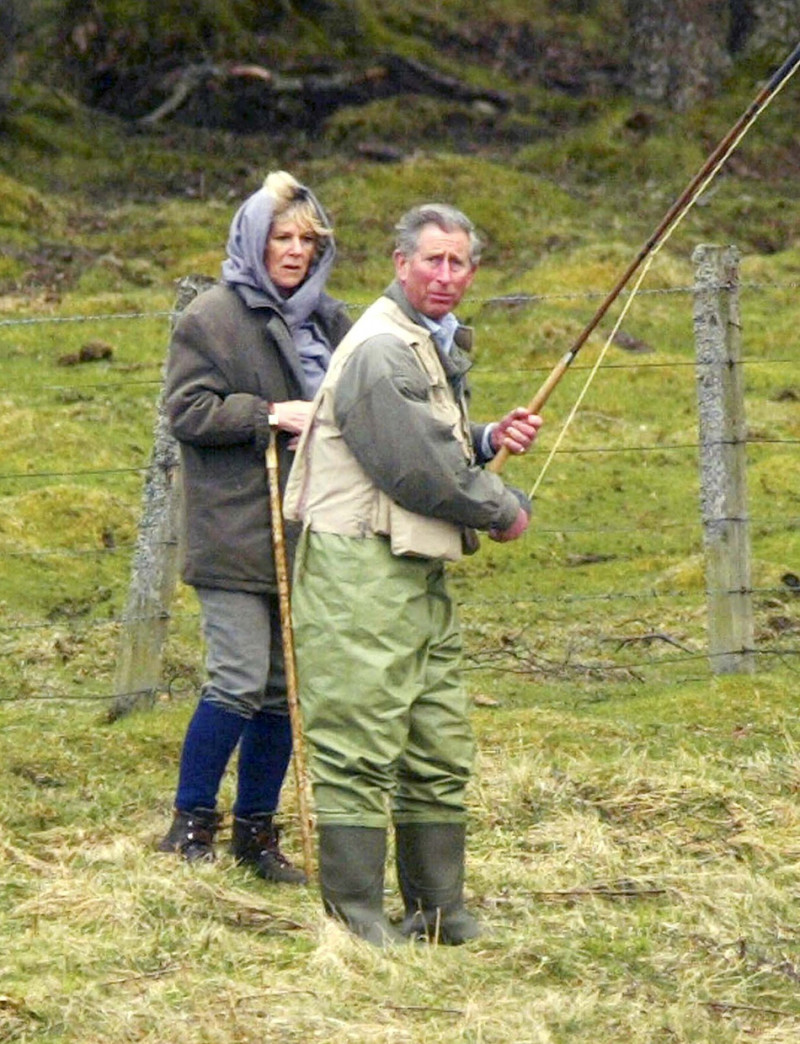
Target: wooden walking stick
{"x": 287, "y": 636}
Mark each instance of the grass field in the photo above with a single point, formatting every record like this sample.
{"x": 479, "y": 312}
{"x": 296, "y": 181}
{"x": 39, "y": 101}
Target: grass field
{"x": 634, "y": 835}
{"x": 633, "y": 854}
{"x": 634, "y": 842}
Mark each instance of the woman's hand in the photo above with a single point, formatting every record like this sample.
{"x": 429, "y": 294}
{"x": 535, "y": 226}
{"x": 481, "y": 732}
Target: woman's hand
{"x": 291, "y": 415}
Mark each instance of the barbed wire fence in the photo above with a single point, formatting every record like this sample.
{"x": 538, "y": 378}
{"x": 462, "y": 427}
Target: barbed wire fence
{"x": 139, "y": 631}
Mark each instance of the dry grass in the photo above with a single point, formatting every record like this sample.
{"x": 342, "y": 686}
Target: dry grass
{"x": 638, "y": 879}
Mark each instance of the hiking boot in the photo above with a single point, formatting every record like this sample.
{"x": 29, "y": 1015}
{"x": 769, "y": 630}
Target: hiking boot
{"x": 255, "y": 843}
{"x": 191, "y": 835}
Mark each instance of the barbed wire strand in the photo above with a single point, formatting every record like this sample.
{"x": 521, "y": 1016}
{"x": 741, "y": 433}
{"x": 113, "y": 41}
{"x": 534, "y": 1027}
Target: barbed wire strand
{"x": 77, "y": 621}
{"x": 539, "y": 665}
{"x": 505, "y": 373}
{"x": 499, "y": 300}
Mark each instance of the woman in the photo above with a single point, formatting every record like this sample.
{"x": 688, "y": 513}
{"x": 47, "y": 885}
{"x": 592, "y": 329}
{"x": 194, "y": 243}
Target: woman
{"x": 246, "y": 354}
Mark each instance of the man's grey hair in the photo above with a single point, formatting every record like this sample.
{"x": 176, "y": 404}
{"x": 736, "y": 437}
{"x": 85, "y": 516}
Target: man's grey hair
{"x": 448, "y": 219}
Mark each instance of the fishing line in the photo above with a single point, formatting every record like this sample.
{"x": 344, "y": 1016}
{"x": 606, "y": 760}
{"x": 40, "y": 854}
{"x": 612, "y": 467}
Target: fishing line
{"x": 700, "y": 189}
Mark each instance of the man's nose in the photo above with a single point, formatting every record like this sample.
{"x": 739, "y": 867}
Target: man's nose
{"x": 443, "y": 272}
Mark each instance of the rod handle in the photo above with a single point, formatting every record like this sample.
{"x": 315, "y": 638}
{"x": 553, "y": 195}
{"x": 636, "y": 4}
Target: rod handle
{"x": 535, "y": 405}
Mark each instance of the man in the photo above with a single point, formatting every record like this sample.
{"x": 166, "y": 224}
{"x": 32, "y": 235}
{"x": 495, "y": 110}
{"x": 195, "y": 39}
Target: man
{"x": 389, "y": 485}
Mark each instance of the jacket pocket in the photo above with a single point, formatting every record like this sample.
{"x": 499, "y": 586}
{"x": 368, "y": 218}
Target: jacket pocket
{"x": 423, "y": 537}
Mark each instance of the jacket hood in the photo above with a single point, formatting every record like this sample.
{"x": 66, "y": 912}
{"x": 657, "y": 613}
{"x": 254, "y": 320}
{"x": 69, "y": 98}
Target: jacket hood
{"x": 245, "y": 270}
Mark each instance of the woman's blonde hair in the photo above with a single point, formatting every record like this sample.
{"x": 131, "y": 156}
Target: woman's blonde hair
{"x": 294, "y": 201}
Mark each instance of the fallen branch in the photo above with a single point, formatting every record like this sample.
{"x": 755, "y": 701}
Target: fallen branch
{"x": 157, "y": 973}
{"x": 724, "y": 1006}
{"x": 188, "y": 82}
{"x": 648, "y": 639}
{"x": 418, "y": 78}
{"x": 509, "y": 660}
{"x": 320, "y": 94}
{"x": 606, "y": 891}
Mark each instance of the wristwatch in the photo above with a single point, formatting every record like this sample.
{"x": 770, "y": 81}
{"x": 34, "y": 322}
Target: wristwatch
{"x": 272, "y": 416}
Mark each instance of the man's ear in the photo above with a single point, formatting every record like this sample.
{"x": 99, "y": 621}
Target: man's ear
{"x": 400, "y": 265}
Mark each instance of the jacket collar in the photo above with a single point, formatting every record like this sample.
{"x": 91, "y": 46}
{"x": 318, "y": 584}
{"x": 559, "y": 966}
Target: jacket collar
{"x": 457, "y": 363}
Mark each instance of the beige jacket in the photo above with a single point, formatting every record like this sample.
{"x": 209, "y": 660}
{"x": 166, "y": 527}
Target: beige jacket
{"x": 331, "y": 490}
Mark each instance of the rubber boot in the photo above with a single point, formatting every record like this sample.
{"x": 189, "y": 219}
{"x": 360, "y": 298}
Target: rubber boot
{"x": 191, "y": 835}
{"x": 430, "y": 872}
{"x": 351, "y": 872}
{"x": 255, "y": 843}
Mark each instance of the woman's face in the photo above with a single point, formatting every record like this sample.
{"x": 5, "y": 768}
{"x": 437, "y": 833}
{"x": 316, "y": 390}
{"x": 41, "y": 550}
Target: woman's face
{"x": 289, "y": 252}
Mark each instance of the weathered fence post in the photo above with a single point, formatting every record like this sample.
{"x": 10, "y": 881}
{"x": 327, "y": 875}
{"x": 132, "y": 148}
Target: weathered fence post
{"x": 155, "y": 561}
{"x": 723, "y": 479}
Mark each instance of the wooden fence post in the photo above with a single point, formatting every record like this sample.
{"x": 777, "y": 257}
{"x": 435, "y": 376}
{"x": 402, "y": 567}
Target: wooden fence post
{"x": 723, "y": 479}
{"x": 155, "y": 561}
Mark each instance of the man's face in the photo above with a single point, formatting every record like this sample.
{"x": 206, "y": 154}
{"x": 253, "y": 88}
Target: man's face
{"x": 438, "y": 274}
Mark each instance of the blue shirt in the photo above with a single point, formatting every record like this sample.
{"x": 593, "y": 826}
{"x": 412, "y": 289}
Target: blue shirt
{"x": 443, "y": 332}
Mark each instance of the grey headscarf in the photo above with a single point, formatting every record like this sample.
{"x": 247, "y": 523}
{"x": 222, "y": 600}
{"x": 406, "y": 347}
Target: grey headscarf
{"x": 246, "y": 272}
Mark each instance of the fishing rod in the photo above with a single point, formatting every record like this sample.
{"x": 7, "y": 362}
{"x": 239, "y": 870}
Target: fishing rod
{"x": 678, "y": 209}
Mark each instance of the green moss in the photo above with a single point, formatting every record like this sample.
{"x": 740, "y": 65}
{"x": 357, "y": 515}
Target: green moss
{"x": 610, "y": 153}
{"x": 23, "y": 210}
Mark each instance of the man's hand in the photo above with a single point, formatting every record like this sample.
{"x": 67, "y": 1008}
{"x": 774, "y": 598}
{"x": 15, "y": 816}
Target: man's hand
{"x": 516, "y": 431}
{"x": 516, "y": 529}
{"x": 520, "y": 523}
